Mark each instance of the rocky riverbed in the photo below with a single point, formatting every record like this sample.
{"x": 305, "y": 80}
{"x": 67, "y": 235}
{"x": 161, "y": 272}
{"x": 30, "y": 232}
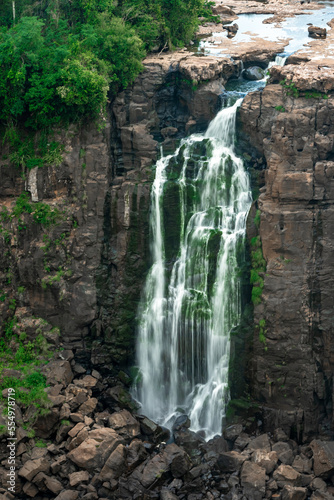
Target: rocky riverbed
{"x": 97, "y": 447}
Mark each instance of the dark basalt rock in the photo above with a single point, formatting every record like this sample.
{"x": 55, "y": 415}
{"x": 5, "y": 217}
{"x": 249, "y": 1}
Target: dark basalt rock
{"x": 253, "y": 73}
{"x": 316, "y": 32}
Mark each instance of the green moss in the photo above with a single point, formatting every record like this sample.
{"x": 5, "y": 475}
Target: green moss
{"x": 257, "y": 218}
{"x": 29, "y": 389}
{"x": 258, "y": 266}
{"x": 290, "y": 88}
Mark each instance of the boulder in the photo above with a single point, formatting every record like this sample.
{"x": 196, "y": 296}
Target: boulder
{"x": 53, "y": 485}
{"x": 88, "y": 406}
{"x": 318, "y": 484}
{"x": 231, "y": 432}
{"x": 78, "y": 477}
{"x": 267, "y": 460}
{"x": 88, "y": 382}
{"x": 302, "y": 464}
{"x": 280, "y": 435}
{"x": 124, "y": 424}
{"x": 32, "y": 467}
{"x": 172, "y": 458}
{"x": 58, "y": 371}
{"x": 136, "y": 454}
{"x": 115, "y": 465}
{"x": 284, "y": 452}
{"x": 188, "y": 440}
{"x": 93, "y": 452}
{"x": 316, "y": 32}
{"x": 293, "y": 493}
{"x": 68, "y": 495}
{"x": 230, "y": 461}
{"x": 166, "y": 494}
{"x": 29, "y": 489}
{"x": 286, "y": 475}
{"x": 253, "y": 73}
{"x": 253, "y": 480}
{"x": 181, "y": 421}
{"x": 260, "y": 443}
{"x": 323, "y": 458}
{"x": 45, "y": 425}
{"x": 242, "y": 441}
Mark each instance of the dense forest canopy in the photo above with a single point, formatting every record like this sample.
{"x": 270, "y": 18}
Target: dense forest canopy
{"x": 60, "y": 59}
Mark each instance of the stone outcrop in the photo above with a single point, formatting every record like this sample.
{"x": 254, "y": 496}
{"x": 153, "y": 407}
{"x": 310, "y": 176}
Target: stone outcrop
{"x": 292, "y": 372}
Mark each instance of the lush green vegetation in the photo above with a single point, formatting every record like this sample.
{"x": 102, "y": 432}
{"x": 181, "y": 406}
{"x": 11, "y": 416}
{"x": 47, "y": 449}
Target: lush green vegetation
{"x": 24, "y": 355}
{"x": 60, "y": 60}
{"x": 258, "y": 267}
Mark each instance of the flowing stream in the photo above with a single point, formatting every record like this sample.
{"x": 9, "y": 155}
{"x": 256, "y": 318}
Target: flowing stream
{"x": 191, "y": 299}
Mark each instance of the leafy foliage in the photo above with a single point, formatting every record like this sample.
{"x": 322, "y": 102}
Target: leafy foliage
{"x": 59, "y": 59}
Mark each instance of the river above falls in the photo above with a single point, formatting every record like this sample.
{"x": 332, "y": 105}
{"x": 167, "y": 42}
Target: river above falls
{"x": 289, "y": 35}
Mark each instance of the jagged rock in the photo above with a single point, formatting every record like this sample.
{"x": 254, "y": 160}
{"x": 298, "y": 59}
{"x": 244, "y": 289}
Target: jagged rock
{"x": 88, "y": 406}
{"x": 260, "y": 443}
{"x": 76, "y": 429}
{"x": 302, "y": 464}
{"x": 323, "y": 458}
{"x": 318, "y": 484}
{"x": 172, "y": 457}
{"x": 32, "y": 467}
{"x": 45, "y": 425}
{"x": 29, "y": 489}
{"x": 181, "y": 421}
{"x": 166, "y": 494}
{"x": 286, "y": 475}
{"x": 63, "y": 431}
{"x": 284, "y": 452}
{"x": 93, "y": 452}
{"x": 79, "y": 438}
{"x": 68, "y": 495}
{"x": 58, "y": 371}
{"x": 120, "y": 396}
{"x": 293, "y": 493}
{"x": 253, "y": 480}
{"x": 87, "y": 382}
{"x": 124, "y": 424}
{"x": 115, "y": 464}
{"x": 188, "y": 440}
{"x": 230, "y": 461}
{"x": 218, "y": 445}
{"x": 78, "y": 477}
{"x": 231, "y": 432}
{"x": 280, "y": 435}
{"x": 56, "y": 465}
{"x": 316, "y": 32}
{"x": 53, "y": 484}
{"x": 321, "y": 495}
{"x": 267, "y": 460}
{"x": 253, "y": 73}
{"x": 136, "y": 454}
{"x": 242, "y": 441}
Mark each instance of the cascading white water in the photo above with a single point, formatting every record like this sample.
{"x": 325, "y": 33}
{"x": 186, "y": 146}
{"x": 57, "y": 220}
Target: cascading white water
{"x": 192, "y": 301}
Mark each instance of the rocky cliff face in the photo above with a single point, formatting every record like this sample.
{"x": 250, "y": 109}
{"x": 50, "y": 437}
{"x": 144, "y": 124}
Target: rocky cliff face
{"x": 83, "y": 271}
{"x": 291, "y": 371}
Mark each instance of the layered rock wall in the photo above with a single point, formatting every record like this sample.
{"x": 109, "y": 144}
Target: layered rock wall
{"x": 291, "y": 373}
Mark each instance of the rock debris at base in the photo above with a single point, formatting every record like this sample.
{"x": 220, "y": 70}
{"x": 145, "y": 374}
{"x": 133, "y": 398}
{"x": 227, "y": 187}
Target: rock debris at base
{"x": 94, "y": 453}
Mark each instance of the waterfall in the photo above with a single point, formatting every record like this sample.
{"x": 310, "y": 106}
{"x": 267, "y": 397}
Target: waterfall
{"x": 279, "y": 61}
{"x": 191, "y": 298}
